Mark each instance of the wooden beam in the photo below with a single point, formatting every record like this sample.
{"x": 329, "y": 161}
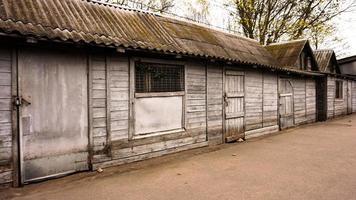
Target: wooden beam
{"x": 16, "y": 165}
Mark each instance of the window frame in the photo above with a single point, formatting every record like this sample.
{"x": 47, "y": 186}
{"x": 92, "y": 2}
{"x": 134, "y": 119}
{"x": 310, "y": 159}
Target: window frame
{"x": 148, "y": 88}
{"x": 133, "y": 95}
{"x": 339, "y": 90}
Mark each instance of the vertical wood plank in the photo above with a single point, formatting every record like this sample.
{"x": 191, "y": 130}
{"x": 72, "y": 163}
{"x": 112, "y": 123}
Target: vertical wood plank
{"x": 132, "y": 97}
{"x": 108, "y": 104}
{"x": 15, "y": 131}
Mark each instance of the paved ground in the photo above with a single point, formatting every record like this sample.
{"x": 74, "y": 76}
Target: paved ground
{"x": 312, "y": 162}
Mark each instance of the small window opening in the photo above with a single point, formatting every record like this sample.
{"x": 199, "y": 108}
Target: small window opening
{"x": 338, "y": 89}
{"x": 153, "y": 77}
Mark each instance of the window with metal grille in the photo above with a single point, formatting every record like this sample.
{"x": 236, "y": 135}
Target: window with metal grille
{"x": 338, "y": 89}
{"x": 153, "y": 77}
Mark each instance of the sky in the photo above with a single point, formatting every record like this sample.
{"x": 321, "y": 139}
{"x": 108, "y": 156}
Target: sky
{"x": 346, "y": 28}
{"x": 345, "y": 25}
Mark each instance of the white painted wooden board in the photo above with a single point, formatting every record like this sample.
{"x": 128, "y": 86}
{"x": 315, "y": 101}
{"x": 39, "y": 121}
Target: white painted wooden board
{"x": 158, "y": 114}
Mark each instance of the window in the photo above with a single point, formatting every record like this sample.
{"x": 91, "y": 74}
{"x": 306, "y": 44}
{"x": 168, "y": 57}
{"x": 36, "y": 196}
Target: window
{"x": 302, "y": 61}
{"x": 306, "y": 62}
{"x": 309, "y": 63}
{"x": 338, "y": 89}
{"x": 152, "y": 77}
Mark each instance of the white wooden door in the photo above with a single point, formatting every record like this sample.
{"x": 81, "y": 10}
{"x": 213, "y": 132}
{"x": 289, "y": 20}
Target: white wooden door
{"x": 234, "y": 105}
{"x": 349, "y": 97}
{"x": 286, "y": 109}
{"x": 54, "y": 117}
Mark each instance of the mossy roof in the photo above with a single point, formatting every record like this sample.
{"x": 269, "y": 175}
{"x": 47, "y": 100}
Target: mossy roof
{"x": 101, "y": 24}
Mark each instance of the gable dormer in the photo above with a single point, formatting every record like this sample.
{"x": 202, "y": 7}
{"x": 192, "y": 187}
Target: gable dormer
{"x": 306, "y": 61}
{"x": 327, "y": 61}
{"x": 294, "y": 54}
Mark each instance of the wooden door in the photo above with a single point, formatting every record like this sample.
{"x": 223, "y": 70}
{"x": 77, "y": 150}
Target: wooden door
{"x": 286, "y": 109}
{"x": 54, "y": 113}
{"x": 321, "y": 98}
{"x": 234, "y": 105}
{"x": 349, "y": 97}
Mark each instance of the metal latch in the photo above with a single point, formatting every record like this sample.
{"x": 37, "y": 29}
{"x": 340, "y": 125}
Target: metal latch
{"x": 20, "y": 100}
{"x": 17, "y": 101}
{"x": 226, "y": 101}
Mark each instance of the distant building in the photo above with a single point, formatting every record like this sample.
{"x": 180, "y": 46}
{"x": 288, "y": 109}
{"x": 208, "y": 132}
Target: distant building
{"x": 348, "y": 65}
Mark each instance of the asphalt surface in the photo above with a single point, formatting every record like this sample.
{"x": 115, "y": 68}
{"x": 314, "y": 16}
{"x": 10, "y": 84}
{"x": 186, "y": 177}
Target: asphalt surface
{"x": 315, "y": 161}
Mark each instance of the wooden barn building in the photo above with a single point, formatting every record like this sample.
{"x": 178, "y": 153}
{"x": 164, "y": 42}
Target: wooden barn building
{"x": 297, "y": 94}
{"x": 337, "y": 90}
{"x": 86, "y": 85}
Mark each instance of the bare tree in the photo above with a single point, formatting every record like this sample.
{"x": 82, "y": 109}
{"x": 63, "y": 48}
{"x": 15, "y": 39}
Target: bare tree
{"x": 160, "y": 6}
{"x": 198, "y": 10}
{"x": 271, "y": 20}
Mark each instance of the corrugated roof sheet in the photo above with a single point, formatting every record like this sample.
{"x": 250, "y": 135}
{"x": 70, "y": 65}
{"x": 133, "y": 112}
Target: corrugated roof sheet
{"x": 287, "y": 53}
{"x": 324, "y": 57}
{"x": 83, "y": 21}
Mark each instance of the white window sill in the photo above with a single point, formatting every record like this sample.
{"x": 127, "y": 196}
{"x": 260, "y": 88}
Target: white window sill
{"x": 147, "y": 135}
{"x": 159, "y": 94}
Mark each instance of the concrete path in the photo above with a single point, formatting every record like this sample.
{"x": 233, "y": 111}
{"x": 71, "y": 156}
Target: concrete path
{"x": 311, "y": 162}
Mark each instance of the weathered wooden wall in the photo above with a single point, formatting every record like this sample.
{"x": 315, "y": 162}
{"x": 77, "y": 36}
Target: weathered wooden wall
{"x": 331, "y": 96}
{"x": 112, "y": 142}
{"x": 215, "y": 103}
{"x": 261, "y": 109}
{"x": 119, "y": 97}
{"x": 354, "y": 96}
{"x": 304, "y": 92}
{"x": 341, "y": 104}
{"x": 270, "y": 100}
{"x": 109, "y": 83}
{"x": 5, "y": 117}
{"x": 336, "y": 107}
{"x": 310, "y": 100}
{"x": 195, "y": 83}
{"x": 254, "y": 99}
{"x": 299, "y": 86}
{"x": 98, "y": 107}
